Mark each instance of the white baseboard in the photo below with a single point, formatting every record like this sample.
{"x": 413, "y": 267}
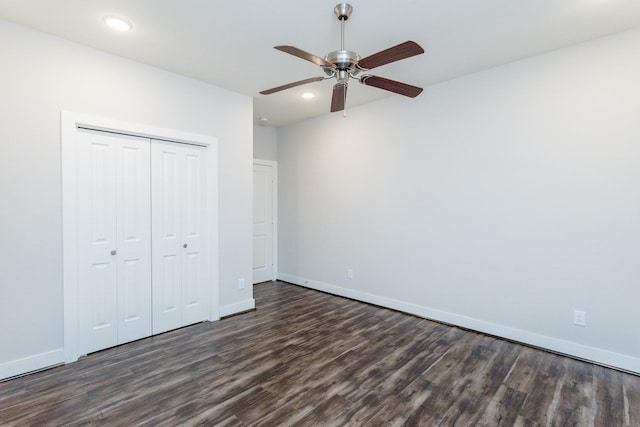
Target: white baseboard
{"x": 56, "y": 357}
{"x": 238, "y": 307}
{"x": 581, "y": 351}
{"x": 31, "y": 363}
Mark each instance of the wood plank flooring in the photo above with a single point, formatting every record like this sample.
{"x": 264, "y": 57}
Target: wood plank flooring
{"x": 308, "y": 358}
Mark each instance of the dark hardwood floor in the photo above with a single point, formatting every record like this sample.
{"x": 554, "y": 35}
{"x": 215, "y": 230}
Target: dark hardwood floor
{"x": 308, "y": 358}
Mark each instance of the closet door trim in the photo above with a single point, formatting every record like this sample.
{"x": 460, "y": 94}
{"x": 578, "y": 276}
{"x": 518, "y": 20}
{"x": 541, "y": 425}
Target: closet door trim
{"x": 69, "y": 124}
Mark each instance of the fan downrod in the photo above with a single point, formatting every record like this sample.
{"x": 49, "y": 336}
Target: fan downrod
{"x": 344, "y": 61}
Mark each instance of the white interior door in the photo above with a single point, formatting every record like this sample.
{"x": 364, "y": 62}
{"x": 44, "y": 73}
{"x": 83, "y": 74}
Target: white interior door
{"x": 262, "y": 223}
{"x": 179, "y": 235}
{"x": 114, "y": 240}
{"x": 194, "y": 259}
{"x": 133, "y": 198}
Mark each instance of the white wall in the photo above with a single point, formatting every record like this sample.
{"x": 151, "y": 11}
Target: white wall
{"x": 42, "y": 75}
{"x": 265, "y": 143}
{"x": 500, "y": 201}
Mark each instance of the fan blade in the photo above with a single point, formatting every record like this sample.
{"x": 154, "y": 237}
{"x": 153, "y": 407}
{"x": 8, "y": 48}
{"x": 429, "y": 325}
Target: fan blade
{"x": 291, "y": 50}
{"x": 339, "y": 97}
{"x": 391, "y": 86}
{"x": 393, "y": 54}
{"x": 290, "y": 85}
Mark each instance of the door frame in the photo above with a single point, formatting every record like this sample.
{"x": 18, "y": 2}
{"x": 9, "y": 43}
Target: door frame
{"x": 70, "y": 122}
{"x": 274, "y": 212}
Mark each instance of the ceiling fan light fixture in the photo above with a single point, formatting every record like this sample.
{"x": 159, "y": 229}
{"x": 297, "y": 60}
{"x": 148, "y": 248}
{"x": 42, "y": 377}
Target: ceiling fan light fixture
{"x": 116, "y": 23}
{"x": 307, "y": 94}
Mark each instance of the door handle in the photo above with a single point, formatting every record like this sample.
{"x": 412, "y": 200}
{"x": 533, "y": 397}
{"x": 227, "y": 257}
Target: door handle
{"x": 185, "y": 246}
{"x": 113, "y": 252}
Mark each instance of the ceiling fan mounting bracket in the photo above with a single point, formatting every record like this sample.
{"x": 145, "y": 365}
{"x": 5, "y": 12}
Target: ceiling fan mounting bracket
{"x": 343, "y": 11}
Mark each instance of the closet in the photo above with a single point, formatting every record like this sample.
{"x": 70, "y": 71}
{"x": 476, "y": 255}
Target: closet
{"x": 141, "y": 210}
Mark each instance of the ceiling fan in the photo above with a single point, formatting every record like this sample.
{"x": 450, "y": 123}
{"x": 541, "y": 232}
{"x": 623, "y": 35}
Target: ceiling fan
{"x": 344, "y": 64}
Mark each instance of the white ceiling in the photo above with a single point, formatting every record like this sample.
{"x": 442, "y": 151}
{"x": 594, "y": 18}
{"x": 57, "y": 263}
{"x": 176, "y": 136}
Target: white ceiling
{"x": 230, "y": 43}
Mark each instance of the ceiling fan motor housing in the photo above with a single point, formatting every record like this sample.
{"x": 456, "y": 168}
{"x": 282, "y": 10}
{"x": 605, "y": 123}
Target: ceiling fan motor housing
{"x": 343, "y": 60}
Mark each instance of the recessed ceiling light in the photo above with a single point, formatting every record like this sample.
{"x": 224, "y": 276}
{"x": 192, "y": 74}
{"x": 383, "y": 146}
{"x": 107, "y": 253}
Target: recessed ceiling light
{"x": 116, "y": 23}
{"x": 263, "y": 120}
{"x": 307, "y": 94}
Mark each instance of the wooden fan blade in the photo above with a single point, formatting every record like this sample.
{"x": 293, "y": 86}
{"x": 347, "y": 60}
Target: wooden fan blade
{"x": 292, "y": 50}
{"x": 290, "y": 85}
{"x": 339, "y": 96}
{"x": 391, "y": 86}
{"x": 393, "y": 54}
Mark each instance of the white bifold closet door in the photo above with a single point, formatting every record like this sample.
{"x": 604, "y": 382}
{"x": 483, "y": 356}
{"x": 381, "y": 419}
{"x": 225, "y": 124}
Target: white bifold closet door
{"x": 178, "y": 238}
{"x": 114, "y": 230}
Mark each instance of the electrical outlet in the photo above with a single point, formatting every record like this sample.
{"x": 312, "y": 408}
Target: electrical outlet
{"x": 579, "y": 318}
{"x": 350, "y": 274}
{"x": 241, "y": 284}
